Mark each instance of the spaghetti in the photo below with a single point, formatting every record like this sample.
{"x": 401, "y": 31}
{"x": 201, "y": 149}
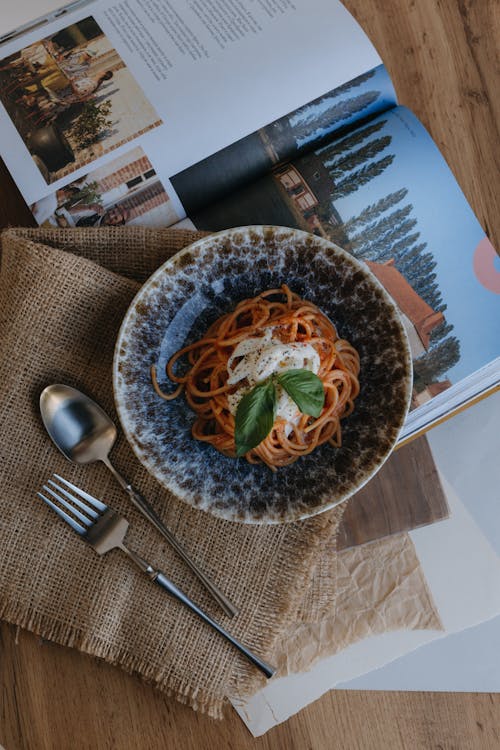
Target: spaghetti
{"x": 279, "y": 329}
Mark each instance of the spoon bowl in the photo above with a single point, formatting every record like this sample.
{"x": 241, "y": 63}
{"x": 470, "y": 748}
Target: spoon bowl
{"x": 78, "y": 426}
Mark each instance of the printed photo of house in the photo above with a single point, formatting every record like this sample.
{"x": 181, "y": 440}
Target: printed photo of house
{"x": 418, "y": 317}
{"x": 419, "y": 320}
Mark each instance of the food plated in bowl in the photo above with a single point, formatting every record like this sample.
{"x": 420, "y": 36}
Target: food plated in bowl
{"x": 308, "y": 312}
{"x": 270, "y": 380}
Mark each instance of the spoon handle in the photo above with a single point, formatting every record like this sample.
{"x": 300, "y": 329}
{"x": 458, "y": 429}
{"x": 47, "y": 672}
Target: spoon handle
{"x": 143, "y": 506}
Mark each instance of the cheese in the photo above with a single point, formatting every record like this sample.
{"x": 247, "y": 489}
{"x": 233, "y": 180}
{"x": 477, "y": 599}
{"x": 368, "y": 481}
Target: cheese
{"x": 256, "y": 359}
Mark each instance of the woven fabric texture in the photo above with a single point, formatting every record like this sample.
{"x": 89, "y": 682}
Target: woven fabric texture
{"x": 63, "y": 295}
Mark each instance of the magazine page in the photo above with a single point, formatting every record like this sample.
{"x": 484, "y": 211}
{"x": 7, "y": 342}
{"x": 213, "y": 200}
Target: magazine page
{"x": 178, "y": 79}
{"x": 384, "y": 193}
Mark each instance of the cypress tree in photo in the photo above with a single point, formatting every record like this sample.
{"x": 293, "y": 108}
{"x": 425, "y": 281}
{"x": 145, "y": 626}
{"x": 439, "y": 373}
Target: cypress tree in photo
{"x": 332, "y": 150}
{"x": 438, "y": 360}
{"x": 332, "y": 115}
{"x": 374, "y": 210}
{"x": 433, "y": 298}
{"x": 405, "y": 250}
{"x": 428, "y": 289}
{"x": 355, "y": 158}
{"x": 394, "y": 250}
{"x": 406, "y": 264}
{"x": 391, "y": 251}
{"x": 425, "y": 284}
{"x": 363, "y": 78}
{"x": 420, "y": 266}
{"x": 360, "y": 177}
{"x": 441, "y": 331}
{"x": 307, "y": 113}
{"x": 378, "y": 229}
{"x": 383, "y": 246}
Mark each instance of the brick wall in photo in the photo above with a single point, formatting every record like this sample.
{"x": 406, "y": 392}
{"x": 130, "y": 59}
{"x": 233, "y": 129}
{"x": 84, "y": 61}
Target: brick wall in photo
{"x": 145, "y": 200}
{"x": 125, "y": 174}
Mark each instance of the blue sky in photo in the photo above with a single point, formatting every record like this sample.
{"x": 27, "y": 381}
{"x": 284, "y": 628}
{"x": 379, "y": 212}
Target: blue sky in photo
{"x": 446, "y": 222}
{"x": 380, "y": 82}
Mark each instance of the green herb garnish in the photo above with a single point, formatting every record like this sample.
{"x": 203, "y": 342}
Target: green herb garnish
{"x": 306, "y": 389}
{"x": 255, "y": 416}
{"x": 256, "y": 411}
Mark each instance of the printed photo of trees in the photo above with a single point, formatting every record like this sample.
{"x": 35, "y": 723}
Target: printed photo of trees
{"x": 386, "y": 232}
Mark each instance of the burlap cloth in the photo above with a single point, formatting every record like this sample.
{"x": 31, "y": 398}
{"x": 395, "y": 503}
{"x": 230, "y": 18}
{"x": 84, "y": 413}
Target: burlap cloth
{"x": 63, "y": 294}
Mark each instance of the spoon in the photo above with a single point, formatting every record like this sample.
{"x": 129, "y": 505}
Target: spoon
{"x": 84, "y": 433}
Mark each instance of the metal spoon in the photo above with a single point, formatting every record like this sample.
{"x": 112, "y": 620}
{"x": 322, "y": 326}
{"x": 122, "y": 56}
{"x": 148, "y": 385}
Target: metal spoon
{"x": 84, "y": 433}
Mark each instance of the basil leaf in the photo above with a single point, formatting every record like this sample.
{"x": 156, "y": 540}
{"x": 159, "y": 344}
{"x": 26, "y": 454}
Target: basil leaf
{"x": 255, "y": 416}
{"x": 306, "y": 389}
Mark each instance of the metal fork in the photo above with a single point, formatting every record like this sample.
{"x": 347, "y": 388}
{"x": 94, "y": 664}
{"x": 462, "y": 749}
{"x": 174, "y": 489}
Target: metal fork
{"x": 105, "y": 530}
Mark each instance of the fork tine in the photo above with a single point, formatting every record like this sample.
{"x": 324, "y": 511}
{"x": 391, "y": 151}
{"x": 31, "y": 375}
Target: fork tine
{"x": 92, "y": 500}
{"x": 68, "y": 506}
{"x": 86, "y": 508}
{"x": 74, "y": 525}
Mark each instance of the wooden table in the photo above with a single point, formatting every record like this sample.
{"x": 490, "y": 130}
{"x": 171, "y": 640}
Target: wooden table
{"x": 441, "y": 56}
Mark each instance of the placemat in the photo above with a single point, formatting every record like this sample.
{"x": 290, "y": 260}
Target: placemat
{"x": 60, "y": 314}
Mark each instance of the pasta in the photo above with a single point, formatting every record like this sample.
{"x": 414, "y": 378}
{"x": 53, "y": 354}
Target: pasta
{"x": 276, "y": 329}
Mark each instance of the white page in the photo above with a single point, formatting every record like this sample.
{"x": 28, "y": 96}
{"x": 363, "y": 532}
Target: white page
{"x": 467, "y": 662}
{"x": 207, "y": 103}
{"x": 464, "y": 586}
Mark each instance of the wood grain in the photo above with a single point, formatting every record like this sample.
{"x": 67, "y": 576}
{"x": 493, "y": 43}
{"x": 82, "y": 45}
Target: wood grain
{"x": 443, "y": 58}
{"x": 405, "y": 494}
{"x": 58, "y": 699}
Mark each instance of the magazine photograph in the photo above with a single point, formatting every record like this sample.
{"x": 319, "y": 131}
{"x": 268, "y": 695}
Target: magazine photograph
{"x": 73, "y": 99}
{"x": 125, "y": 190}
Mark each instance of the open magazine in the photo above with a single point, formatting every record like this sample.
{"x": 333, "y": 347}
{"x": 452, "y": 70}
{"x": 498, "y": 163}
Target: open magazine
{"x": 219, "y": 114}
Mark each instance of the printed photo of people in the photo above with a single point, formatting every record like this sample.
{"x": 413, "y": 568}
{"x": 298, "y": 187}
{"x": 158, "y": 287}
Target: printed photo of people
{"x": 126, "y": 190}
{"x": 72, "y": 99}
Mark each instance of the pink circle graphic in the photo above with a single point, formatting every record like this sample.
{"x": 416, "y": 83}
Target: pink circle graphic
{"x": 484, "y": 266}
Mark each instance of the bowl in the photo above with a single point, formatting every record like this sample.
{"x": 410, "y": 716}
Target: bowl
{"x": 195, "y": 287}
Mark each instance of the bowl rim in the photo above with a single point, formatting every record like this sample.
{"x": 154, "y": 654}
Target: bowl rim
{"x": 261, "y": 229}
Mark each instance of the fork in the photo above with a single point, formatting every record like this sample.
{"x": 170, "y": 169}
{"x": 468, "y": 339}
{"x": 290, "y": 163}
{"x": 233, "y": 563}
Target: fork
{"x": 105, "y": 530}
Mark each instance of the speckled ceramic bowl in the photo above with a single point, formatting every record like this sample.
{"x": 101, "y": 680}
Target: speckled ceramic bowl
{"x": 176, "y": 306}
